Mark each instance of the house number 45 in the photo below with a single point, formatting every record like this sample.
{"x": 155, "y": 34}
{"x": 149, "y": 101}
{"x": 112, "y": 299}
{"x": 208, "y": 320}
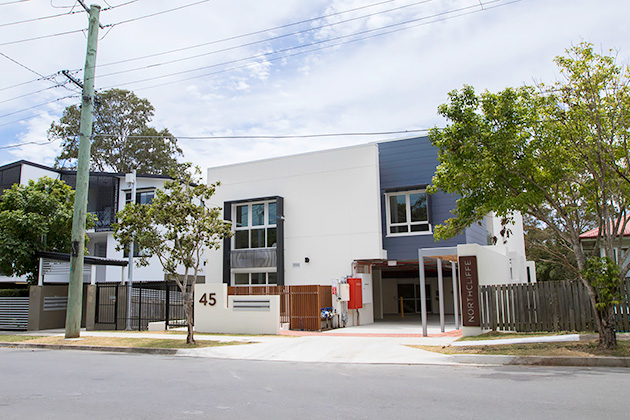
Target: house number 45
{"x": 208, "y": 300}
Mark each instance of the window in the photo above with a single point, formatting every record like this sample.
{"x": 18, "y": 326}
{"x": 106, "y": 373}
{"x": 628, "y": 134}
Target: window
{"x": 255, "y": 225}
{"x": 255, "y": 279}
{"x": 142, "y": 197}
{"x": 407, "y": 213}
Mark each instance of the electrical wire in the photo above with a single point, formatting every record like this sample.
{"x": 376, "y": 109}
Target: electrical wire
{"x": 118, "y": 5}
{"x": 13, "y": 2}
{"x": 232, "y": 38}
{"x": 28, "y": 94}
{"x": 12, "y": 146}
{"x": 40, "y": 105}
{"x": 419, "y": 22}
{"x": 157, "y": 13}
{"x": 38, "y": 19}
{"x": 275, "y": 38}
{"x": 30, "y": 117}
{"x": 22, "y": 65}
{"x": 244, "y": 137}
{"x": 42, "y": 37}
{"x": 82, "y": 30}
{"x": 276, "y": 137}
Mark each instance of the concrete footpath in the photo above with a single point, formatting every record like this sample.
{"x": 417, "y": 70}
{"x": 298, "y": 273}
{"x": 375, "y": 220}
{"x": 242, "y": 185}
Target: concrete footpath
{"x": 346, "y": 345}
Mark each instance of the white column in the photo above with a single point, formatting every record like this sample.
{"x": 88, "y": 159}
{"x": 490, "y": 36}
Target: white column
{"x": 40, "y": 275}
{"x": 92, "y": 275}
{"x": 440, "y": 292}
{"x": 423, "y": 293}
{"x": 455, "y": 294}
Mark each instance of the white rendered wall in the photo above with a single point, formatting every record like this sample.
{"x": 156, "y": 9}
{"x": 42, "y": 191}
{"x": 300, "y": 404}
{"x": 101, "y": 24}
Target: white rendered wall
{"x": 331, "y": 209}
{"x": 514, "y": 245}
{"x": 152, "y": 272}
{"x": 493, "y": 267}
{"x": 34, "y": 173}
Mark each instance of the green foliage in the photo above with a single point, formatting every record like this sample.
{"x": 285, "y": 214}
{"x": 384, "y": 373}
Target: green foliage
{"x": 558, "y": 153}
{"x": 34, "y": 217}
{"x": 555, "y": 258}
{"x": 177, "y": 226}
{"x": 603, "y": 274}
{"x": 122, "y": 140}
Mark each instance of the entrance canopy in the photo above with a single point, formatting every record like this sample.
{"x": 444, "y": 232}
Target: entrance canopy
{"x": 58, "y": 264}
{"x": 439, "y": 254}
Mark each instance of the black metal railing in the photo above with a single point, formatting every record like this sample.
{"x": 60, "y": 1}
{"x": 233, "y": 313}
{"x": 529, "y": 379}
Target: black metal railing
{"x": 150, "y": 302}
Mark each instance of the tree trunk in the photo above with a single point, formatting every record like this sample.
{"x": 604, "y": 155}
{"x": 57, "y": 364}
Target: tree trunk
{"x": 604, "y": 320}
{"x": 607, "y": 331}
{"x": 188, "y": 311}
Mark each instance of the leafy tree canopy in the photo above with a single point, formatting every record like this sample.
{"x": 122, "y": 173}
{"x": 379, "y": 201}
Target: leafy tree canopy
{"x": 558, "y": 153}
{"x": 122, "y": 140}
{"x": 34, "y": 217}
{"x": 176, "y": 227}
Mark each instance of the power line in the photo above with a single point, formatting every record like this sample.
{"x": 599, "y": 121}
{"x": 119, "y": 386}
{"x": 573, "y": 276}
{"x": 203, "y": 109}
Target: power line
{"x": 42, "y": 37}
{"x": 22, "y": 65}
{"x": 247, "y": 137}
{"x": 111, "y": 25}
{"x": 40, "y": 105}
{"x": 157, "y": 13}
{"x": 232, "y": 38}
{"x": 30, "y": 117}
{"x": 275, "y": 137}
{"x": 118, "y": 5}
{"x": 13, "y": 146}
{"x": 397, "y": 28}
{"x": 28, "y": 94}
{"x": 13, "y": 2}
{"x": 275, "y": 38}
{"x": 37, "y": 19}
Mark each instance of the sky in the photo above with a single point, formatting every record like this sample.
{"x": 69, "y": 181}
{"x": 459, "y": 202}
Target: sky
{"x": 287, "y": 71}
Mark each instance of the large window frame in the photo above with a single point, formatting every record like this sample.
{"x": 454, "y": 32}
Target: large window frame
{"x": 411, "y": 221}
{"x": 253, "y": 230}
{"x": 254, "y": 277}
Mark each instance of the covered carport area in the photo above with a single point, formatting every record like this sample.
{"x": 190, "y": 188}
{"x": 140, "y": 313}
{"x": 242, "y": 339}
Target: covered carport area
{"x": 408, "y": 295}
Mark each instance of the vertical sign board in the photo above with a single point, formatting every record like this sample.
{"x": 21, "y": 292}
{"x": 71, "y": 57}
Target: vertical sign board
{"x": 356, "y": 294}
{"x": 470, "y": 291}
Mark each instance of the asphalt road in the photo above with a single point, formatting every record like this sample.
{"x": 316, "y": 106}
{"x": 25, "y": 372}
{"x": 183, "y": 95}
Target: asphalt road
{"x": 43, "y": 384}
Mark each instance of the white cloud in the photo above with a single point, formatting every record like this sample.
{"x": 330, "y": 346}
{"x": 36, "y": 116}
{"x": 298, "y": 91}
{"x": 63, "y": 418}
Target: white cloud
{"x": 390, "y": 82}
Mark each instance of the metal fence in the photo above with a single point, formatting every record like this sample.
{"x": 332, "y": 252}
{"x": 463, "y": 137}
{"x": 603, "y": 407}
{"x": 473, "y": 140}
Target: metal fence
{"x": 14, "y": 313}
{"x": 545, "y": 306}
{"x": 150, "y": 302}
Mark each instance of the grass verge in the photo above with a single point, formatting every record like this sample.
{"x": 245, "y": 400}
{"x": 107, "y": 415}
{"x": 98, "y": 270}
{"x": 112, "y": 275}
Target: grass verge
{"x": 158, "y": 343}
{"x": 496, "y": 335}
{"x": 573, "y": 348}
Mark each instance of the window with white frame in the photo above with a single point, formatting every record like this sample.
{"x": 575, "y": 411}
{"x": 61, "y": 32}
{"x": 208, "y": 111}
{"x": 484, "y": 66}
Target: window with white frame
{"x": 142, "y": 197}
{"x": 255, "y": 278}
{"x": 255, "y": 225}
{"x": 407, "y": 212}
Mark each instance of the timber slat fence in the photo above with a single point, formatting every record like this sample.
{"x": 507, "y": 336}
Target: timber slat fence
{"x": 545, "y": 306}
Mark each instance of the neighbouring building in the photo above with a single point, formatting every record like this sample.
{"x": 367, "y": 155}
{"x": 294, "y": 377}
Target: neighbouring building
{"x": 108, "y": 193}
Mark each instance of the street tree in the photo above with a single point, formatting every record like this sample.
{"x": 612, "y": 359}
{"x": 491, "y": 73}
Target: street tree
{"x": 177, "y": 227}
{"x": 34, "y": 217}
{"x": 558, "y": 153}
{"x": 555, "y": 259}
{"x": 122, "y": 139}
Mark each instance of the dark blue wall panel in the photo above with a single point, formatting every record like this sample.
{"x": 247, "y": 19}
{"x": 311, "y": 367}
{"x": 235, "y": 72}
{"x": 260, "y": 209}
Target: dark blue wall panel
{"x": 411, "y": 163}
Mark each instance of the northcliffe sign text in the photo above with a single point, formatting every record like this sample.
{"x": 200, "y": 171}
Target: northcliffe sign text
{"x": 470, "y": 291}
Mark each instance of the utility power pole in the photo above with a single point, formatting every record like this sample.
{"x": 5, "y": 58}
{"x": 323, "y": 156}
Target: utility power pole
{"x": 75, "y": 286}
